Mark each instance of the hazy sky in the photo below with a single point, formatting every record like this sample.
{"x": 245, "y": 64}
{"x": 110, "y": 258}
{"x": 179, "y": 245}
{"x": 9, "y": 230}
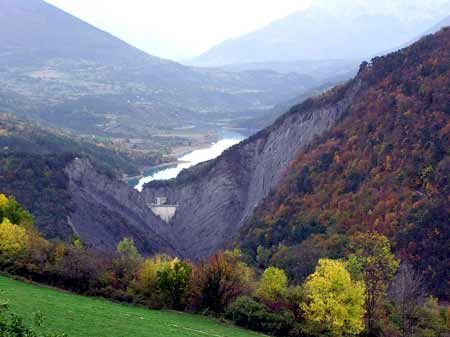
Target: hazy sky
{"x": 179, "y": 29}
{"x": 182, "y": 29}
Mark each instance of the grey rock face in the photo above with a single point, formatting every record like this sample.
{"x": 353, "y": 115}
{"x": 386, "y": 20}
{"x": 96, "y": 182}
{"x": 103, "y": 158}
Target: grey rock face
{"x": 213, "y": 199}
{"x": 216, "y": 198}
{"x": 104, "y": 211}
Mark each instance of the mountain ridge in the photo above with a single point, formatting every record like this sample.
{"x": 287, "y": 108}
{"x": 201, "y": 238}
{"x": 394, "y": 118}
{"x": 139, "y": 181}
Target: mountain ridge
{"x": 326, "y": 29}
{"x": 384, "y": 167}
{"x": 64, "y": 72}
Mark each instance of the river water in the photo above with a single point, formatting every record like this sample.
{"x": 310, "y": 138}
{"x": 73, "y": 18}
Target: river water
{"x": 227, "y": 139}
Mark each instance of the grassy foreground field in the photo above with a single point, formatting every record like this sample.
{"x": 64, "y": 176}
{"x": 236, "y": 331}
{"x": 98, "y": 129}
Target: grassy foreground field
{"x": 88, "y": 317}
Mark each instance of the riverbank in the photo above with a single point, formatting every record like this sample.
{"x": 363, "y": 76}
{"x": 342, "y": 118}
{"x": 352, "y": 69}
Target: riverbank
{"x": 198, "y": 142}
{"x": 192, "y": 158}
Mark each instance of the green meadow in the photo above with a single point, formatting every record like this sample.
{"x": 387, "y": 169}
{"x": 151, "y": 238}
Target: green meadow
{"x": 81, "y": 316}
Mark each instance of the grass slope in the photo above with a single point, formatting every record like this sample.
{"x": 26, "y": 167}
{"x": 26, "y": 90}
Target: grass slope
{"x": 88, "y": 317}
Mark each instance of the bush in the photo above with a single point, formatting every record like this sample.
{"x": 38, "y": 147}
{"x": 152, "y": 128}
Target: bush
{"x": 173, "y": 282}
{"x": 243, "y": 310}
{"x": 114, "y": 294}
{"x": 250, "y": 314}
{"x": 218, "y": 281}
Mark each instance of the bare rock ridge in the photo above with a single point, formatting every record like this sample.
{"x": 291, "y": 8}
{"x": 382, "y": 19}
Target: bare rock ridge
{"x": 212, "y": 199}
{"x": 104, "y": 211}
{"x": 215, "y": 198}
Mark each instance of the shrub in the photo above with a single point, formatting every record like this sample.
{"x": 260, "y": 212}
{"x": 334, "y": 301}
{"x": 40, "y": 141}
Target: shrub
{"x": 173, "y": 281}
{"x": 250, "y": 314}
{"x": 432, "y": 320}
{"x": 145, "y": 281}
{"x": 218, "y": 281}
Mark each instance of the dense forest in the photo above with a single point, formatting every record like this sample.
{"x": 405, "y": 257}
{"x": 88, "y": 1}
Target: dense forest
{"x": 385, "y": 167}
{"x": 21, "y": 136}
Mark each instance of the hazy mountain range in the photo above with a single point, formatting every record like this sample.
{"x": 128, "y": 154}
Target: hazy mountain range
{"x": 344, "y": 29}
{"x": 60, "y": 70}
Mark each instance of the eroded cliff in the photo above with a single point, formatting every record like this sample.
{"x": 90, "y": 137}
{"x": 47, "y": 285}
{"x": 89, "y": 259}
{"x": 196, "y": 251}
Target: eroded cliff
{"x": 216, "y": 197}
{"x": 213, "y": 199}
{"x": 104, "y": 211}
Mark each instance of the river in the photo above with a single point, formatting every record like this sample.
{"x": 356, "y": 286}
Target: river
{"x": 226, "y": 140}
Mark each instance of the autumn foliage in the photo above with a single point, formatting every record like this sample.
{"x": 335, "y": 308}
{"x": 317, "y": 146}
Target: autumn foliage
{"x": 384, "y": 167}
{"x": 331, "y": 301}
{"x": 321, "y": 255}
{"x": 335, "y": 301}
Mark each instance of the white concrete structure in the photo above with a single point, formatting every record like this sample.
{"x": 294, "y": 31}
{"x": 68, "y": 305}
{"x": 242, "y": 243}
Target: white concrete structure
{"x": 163, "y": 210}
{"x": 159, "y": 201}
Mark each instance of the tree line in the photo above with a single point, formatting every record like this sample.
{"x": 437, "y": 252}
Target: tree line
{"x": 367, "y": 293}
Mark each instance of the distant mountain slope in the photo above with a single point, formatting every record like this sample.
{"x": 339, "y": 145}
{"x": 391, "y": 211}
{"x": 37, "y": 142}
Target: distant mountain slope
{"x": 385, "y": 167}
{"x": 62, "y": 71}
{"x": 321, "y": 71}
{"x": 33, "y": 31}
{"x": 22, "y": 137}
{"x": 350, "y": 30}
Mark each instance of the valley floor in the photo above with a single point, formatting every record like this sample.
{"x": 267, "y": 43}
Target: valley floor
{"x": 80, "y": 316}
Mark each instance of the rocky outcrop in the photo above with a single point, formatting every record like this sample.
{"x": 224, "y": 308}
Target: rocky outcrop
{"x": 212, "y": 199}
{"x": 215, "y": 198}
{"x": 104, "y": 211}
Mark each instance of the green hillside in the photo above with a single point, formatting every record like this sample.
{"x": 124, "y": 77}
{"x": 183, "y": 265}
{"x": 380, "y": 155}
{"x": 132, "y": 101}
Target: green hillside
{"x": 88, "y": 317}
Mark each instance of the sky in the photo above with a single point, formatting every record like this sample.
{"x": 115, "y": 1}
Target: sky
{"x": 182, "y": 29}
{"x": 179, "y": 29}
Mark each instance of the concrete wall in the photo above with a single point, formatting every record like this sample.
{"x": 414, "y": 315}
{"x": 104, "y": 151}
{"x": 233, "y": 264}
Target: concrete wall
{"x": 166, "y": 213}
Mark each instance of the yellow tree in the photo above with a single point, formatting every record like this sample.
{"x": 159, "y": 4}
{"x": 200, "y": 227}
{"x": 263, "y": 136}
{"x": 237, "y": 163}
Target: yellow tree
{"x": 147, "y": 273}
{"x": 13, "y": 239}
{"x": 11, "y": 209}
{"x": 273, "y": 285}
{"x": 3, "y": 200}
{"x": 335, "y": 302}
{"x": 127, "y": 248}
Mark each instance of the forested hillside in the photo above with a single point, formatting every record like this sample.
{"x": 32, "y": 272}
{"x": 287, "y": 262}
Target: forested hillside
{"x": 32, "y": 164}
{"x": 384, "y": 167}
